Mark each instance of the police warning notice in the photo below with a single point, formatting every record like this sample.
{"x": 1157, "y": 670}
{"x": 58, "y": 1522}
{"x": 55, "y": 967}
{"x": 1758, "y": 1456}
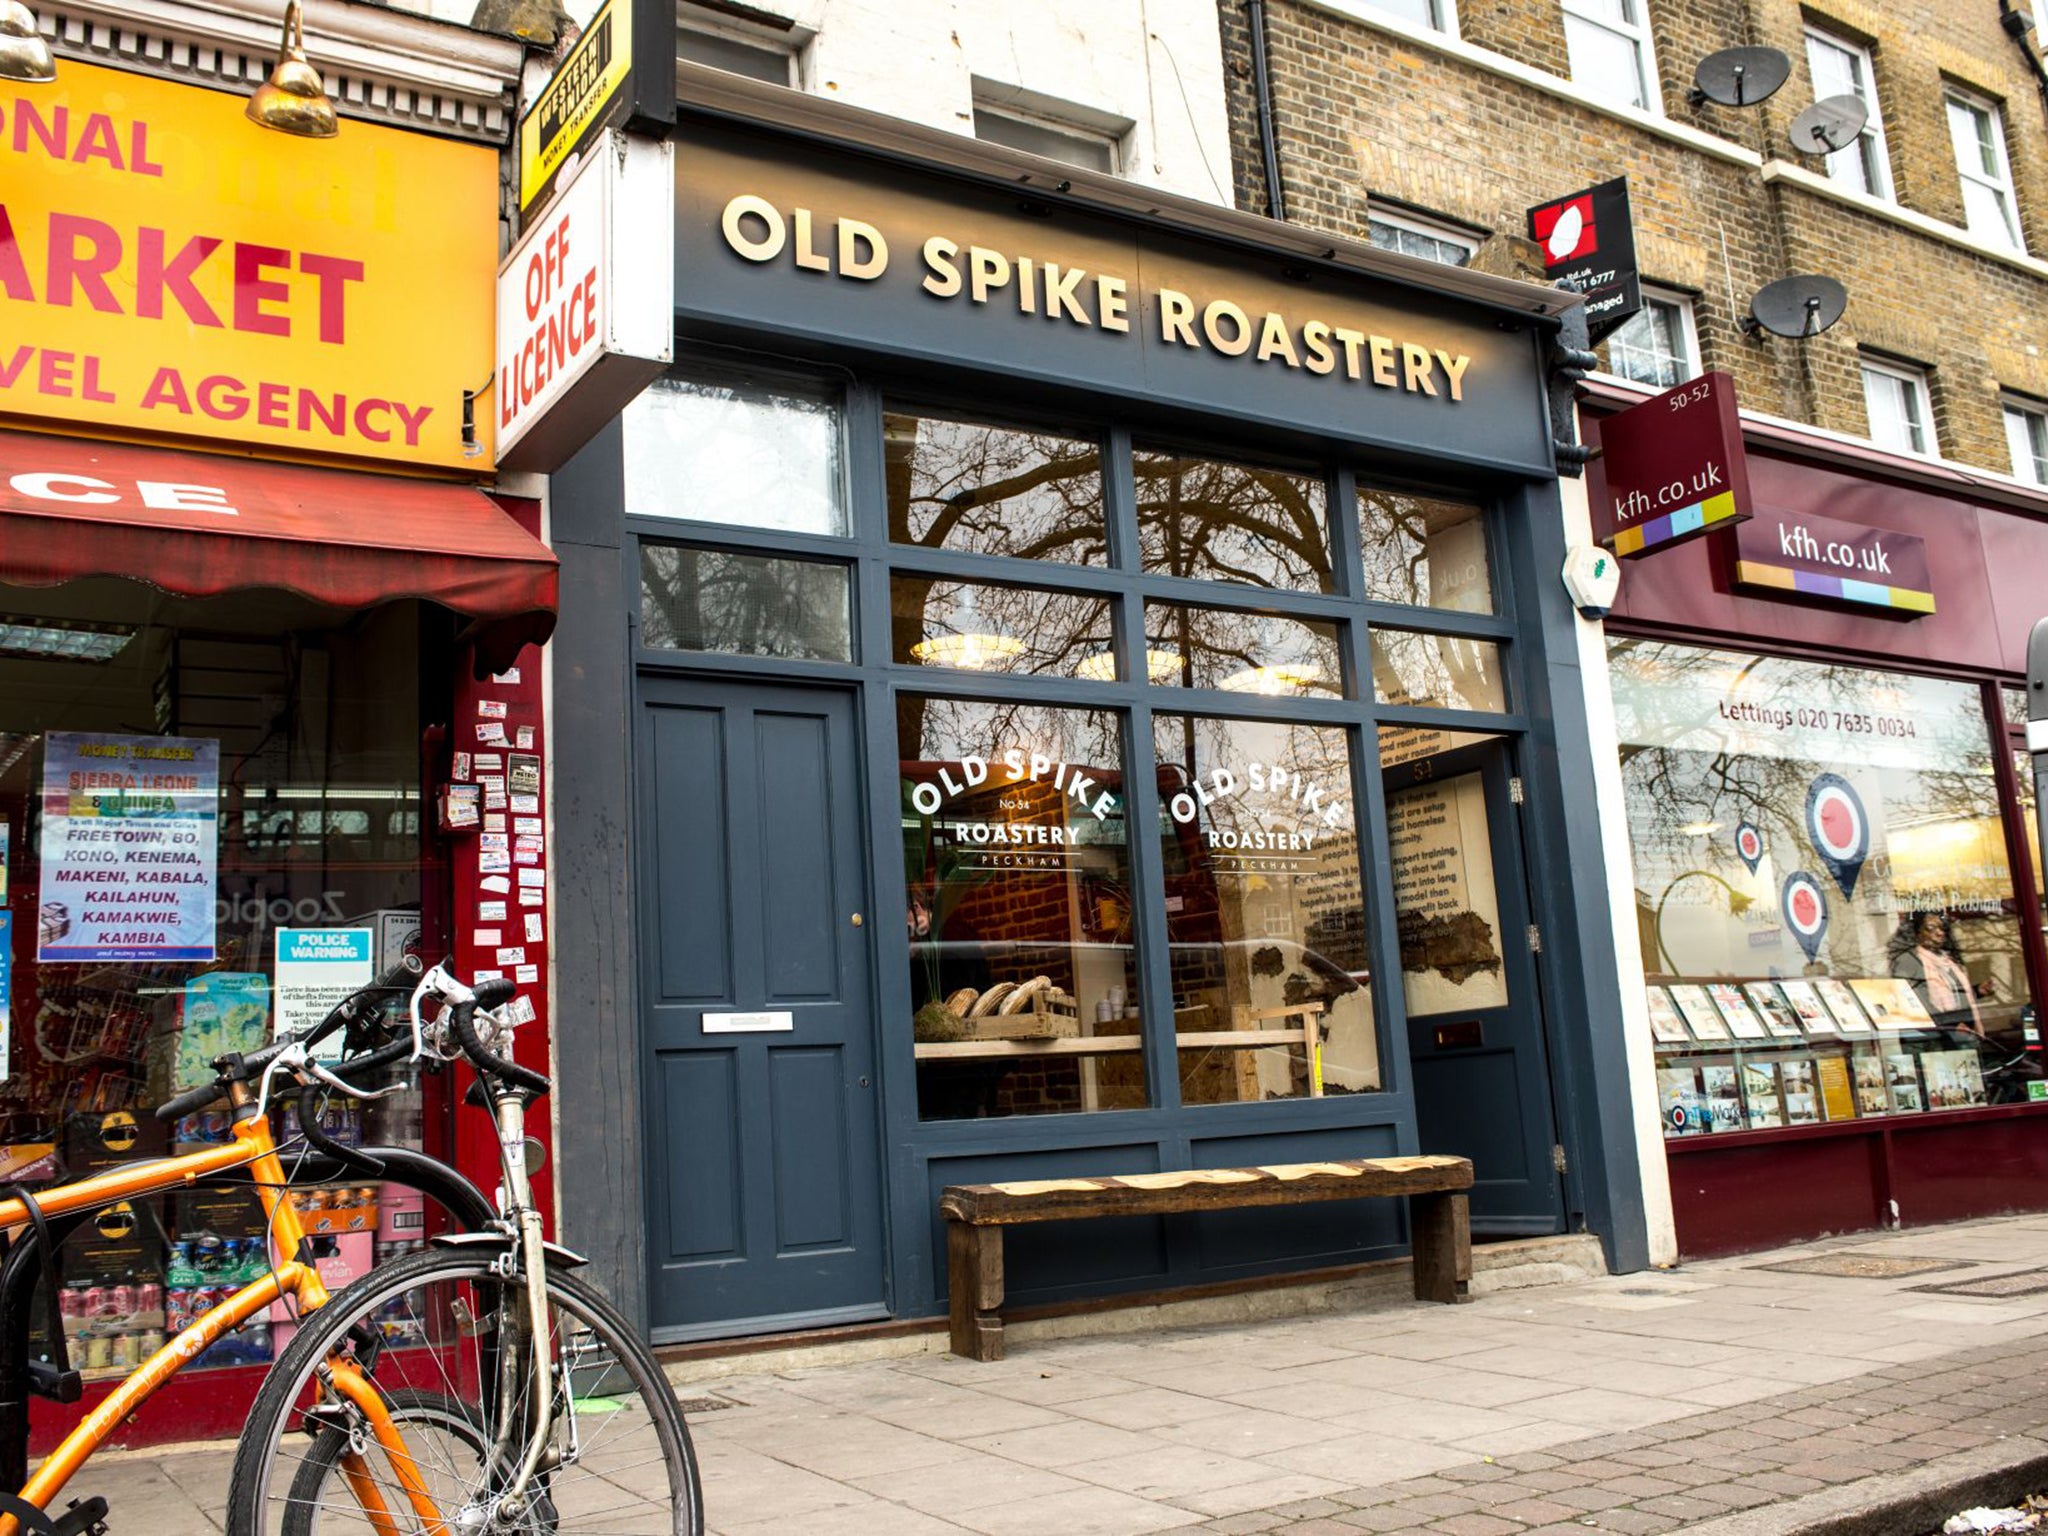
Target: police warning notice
{"x": 128, "y": 869}
{"x": 316, "y": 969}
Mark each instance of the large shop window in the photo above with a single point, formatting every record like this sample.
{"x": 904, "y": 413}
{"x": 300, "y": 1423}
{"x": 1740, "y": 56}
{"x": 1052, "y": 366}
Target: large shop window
{"x": 1034, "y": 659}
{"x": 1826, "y": 908}
{"x": 1218, "y": 521}
{"x": 756, "y": 455}
{"x": 1017, "y": 863}
{"x": 184, "y": 786}
{"x": 1265, "y": 911}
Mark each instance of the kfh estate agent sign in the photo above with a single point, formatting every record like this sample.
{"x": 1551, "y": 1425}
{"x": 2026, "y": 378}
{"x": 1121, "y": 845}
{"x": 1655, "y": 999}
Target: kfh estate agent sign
{"x": 1797, "y": 553}
{"x": 168, "y": 267}
{"x": 1674, "y": 468}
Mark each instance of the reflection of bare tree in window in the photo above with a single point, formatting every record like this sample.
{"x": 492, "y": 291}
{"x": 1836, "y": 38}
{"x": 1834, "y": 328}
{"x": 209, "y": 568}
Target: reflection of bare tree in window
{"x": 991, "y": 491}
{"x": 711, "y": 600}
{"x": 1449, "y": 671}
{"x": 1419, "y": 549}
{"x": 989, "y": 628}
{"x": 1243, "y": 652}
{"x": 1214, "y": 521}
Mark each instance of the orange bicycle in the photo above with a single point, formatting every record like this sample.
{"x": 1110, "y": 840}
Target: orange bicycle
{"x": 471, "y": 1387}
{"x": 476, "y": 1386}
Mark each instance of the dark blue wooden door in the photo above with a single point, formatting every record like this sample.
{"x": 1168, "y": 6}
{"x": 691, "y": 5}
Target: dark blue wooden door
{"x": 1475, "y": 1023}
{"x": 764, "y": 1185}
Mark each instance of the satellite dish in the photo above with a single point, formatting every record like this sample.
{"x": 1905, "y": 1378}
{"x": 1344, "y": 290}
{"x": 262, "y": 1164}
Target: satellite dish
{"x": 1830, "y": 124}
{"x": 1739, "y": 77}
{"x": 1802, "y": 306}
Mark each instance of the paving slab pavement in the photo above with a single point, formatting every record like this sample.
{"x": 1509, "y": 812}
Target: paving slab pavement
{"x": 1736, "y": 1397}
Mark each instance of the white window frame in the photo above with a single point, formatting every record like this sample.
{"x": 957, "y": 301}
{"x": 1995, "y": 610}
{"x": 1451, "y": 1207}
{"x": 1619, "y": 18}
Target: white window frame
{"x": 1050, "y": 114}
{"x": 1872, "y": 156}
{"x": 2026, "y": 434}
{"x": 1915, "y": 401}
{"x": 1417, "y": 224}
{"x": 1444, "y": 12}
{"x": 1999, "y": 182}
{"x": 1688, "y": 337}
{"x": 791, "y": 45}
{"x": 1636, "y": 34}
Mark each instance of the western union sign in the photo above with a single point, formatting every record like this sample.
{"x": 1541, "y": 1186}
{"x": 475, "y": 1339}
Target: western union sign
{"x": 577, "y": 102}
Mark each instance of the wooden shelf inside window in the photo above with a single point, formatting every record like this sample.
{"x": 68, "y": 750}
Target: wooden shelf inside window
{"x": 1308, "y": 1033}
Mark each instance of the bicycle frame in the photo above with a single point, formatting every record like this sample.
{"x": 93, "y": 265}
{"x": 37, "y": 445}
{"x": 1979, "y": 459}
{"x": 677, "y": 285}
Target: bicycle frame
{"x": 251, "y": 1148}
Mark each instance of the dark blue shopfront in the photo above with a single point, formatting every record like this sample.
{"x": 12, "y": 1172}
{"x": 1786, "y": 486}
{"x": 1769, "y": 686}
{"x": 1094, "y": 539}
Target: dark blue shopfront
{"x": 1048, "y": 688}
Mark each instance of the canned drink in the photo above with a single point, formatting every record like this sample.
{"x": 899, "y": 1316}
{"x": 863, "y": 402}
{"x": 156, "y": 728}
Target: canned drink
{"x": 152, "y": 1341}
{"x": 94, "y": 1301}
{"x": 121, "y": 1352}
{"x": 99, "y": 1352}
{"x": 122, "y": 1299}
{"x": 149, "y": 1297}
{"x": 71, "y": 1302}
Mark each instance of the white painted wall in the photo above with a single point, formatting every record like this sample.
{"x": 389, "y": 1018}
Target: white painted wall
{"x": 1156, "y": 64}
{"x": 1645, "y": 1109}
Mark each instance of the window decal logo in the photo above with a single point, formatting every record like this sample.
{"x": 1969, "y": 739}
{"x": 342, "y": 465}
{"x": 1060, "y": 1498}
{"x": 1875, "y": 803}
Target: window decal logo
{"x": 1839, "y": 828}
{"x": 1806, "y": 910}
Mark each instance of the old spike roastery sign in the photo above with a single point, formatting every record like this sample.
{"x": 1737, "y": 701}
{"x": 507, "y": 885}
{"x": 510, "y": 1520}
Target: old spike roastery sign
{"x": 169, "y": 268}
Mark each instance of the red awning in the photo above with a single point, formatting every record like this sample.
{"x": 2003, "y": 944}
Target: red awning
{"x": 199, "y": 524}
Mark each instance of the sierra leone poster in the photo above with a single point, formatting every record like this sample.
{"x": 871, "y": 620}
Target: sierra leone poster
{"x": 129, "y": 841}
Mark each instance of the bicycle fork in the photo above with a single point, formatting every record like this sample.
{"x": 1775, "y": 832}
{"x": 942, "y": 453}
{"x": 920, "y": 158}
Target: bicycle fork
{"x": 520, "y": 1375}
{"x": 526, "y": 1397}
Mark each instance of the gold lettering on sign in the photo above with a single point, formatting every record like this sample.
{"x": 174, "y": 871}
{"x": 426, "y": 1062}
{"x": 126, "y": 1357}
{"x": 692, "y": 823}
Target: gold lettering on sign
{"x": 758, "y": 231}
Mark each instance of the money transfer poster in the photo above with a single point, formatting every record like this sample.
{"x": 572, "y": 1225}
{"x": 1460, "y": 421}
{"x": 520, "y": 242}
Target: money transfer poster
{"x": 128, "y": 848}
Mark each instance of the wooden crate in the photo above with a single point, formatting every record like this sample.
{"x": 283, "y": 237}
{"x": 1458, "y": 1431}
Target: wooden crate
{"x": 1052, "y": 1015}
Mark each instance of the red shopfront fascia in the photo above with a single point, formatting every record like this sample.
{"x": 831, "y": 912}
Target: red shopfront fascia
{"x": 1987, "y": 549}
{"x": 203, "y": 525}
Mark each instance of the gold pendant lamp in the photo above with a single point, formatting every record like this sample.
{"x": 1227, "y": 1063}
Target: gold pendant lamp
{"x": 24, "y": 54}
{"x": 294, "y": 100}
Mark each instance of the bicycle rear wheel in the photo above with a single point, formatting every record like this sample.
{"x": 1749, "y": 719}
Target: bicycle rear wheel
{"x": 431, "y": 1332}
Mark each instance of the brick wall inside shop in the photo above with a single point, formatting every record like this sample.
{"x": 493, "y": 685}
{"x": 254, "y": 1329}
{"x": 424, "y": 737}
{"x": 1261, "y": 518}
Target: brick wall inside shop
{"x": 1364, "y": 114}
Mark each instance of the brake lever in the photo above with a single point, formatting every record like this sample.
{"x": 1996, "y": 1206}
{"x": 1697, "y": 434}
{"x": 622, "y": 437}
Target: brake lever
{"x": 296, "y": 1061}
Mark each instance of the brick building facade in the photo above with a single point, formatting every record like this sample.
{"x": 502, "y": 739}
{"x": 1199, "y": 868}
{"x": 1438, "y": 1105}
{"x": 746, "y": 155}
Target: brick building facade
{"x": 1473, "y": 122}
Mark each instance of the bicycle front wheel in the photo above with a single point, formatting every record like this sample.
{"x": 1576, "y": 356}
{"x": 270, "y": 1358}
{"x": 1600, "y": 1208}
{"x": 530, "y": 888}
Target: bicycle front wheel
{"x": 439, "y": 1335}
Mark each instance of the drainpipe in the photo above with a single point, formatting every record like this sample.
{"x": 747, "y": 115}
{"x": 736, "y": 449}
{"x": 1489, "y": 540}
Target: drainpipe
{"x": 2017, "y": 24}
{"x": 1262, "y": 87}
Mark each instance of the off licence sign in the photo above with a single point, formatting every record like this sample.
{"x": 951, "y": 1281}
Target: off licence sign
{"x": 1674, "y": 468}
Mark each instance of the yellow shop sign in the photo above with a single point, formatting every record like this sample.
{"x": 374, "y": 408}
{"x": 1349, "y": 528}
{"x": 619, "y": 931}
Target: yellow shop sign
{"x": 169, "y": 268}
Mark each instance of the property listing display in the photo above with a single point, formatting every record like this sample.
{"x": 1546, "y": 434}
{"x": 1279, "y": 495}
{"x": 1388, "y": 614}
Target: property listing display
{"x": 1823, "y": 891}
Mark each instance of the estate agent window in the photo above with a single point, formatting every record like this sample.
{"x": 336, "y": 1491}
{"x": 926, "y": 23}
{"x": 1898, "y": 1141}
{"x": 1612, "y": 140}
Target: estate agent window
{"x": 1827, "y": 912}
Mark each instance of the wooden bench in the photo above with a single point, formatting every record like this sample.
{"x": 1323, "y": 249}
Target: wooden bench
{"x": 977, "y": 1213}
